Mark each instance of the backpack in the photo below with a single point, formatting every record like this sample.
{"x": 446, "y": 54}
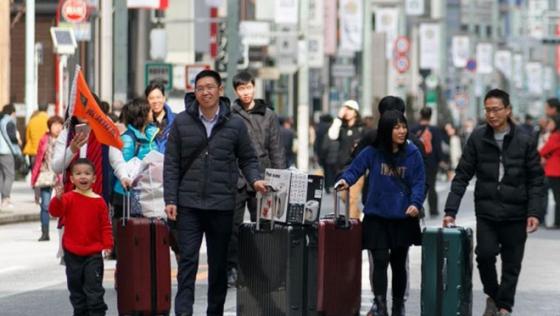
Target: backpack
{"x": 425, "y": 136}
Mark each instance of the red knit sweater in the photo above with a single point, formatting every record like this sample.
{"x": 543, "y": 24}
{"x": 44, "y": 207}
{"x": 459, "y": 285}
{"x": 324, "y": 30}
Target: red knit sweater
{"x": 87, "y": 228}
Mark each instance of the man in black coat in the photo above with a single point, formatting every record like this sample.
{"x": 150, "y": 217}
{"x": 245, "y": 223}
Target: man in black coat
{"x": 508, "y": 197}
{"x": 205, "y": 147}
{"x": 264, "y": 132}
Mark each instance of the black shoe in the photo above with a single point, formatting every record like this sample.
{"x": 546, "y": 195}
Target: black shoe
{"x": 379, "y": 307}
{"x": 398, "y": 308}
{"x": 232, "y": 277}
{"x": 44, "y": 237}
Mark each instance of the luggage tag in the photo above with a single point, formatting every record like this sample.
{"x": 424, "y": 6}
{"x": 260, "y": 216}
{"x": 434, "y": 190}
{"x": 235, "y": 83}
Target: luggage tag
{"x": 267, "y": 205}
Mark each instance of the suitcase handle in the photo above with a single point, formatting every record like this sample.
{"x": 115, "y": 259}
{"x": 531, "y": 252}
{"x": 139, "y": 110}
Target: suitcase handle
{"x": 342, "y": 221}
{"x": 126, "y": 207}
{"x": 274, "y": 206}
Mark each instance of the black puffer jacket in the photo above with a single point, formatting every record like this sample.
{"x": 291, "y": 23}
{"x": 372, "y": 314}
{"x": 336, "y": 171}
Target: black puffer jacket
{"x": 210, "y": 182}
{"x": 521, "y": 190}
{"x": 263, "y": 128}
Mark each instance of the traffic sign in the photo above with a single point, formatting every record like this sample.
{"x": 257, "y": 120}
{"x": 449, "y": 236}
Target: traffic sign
{"x": 471, "y": 65}
{"x": 402, "y": 45}
{"x": 74, "y": 11}
{"x": 402, "y": 64}
{"x": 159, "y": 71}
{"x": 191, "y": 72}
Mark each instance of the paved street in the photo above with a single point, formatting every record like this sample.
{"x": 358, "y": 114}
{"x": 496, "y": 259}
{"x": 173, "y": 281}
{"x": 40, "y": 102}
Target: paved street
{"x": 33, "y": 283}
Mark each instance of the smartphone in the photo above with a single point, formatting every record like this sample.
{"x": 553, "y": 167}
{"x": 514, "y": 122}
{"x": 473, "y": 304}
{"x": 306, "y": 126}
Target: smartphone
{"x": 82, "y": 128}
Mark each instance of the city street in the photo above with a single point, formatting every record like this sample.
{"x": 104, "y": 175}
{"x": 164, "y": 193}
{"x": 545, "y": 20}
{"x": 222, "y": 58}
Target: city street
{"x": 33, "y": 282}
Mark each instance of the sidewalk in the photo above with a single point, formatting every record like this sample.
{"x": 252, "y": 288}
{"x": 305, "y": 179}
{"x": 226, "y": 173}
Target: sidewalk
{"x": 25, "y": 209}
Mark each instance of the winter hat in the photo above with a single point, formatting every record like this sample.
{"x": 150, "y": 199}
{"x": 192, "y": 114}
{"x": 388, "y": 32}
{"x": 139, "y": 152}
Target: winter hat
{"x": 352, "y": 104}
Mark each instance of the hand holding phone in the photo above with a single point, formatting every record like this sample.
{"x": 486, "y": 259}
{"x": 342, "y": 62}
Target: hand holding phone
{"x": 82, "y": 129}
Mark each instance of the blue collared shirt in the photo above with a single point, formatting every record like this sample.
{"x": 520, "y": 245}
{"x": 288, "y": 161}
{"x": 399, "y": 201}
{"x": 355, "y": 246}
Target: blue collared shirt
{"x": 209, "y": 123}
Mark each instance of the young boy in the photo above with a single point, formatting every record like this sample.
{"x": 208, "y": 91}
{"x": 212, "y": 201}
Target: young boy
{"x": 87, "y": 234}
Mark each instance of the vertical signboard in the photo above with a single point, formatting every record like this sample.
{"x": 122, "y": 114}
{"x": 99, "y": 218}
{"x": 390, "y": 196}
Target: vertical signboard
{"x": 518, "y": 71}
{"x": 351, "y": 17}
{"x": 503, "y": 62}
{"x": 386, "y": 21}
{"x": 460, "y": 47}
{"x": 414, "y": 7}
{"x": 484, "y": 58}
{"x": 329, "y": 29}
{"x": 430, "y": 41}
{"x": 286, "y": 11}
{"x": 534, "y": 72}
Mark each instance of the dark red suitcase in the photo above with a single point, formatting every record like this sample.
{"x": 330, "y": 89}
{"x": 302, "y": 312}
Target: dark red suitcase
{"x": 143, "y": 272}
{"x": 339, "y": 264}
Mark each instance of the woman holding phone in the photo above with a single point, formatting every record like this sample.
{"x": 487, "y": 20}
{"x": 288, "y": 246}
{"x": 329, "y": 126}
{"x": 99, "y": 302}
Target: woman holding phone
{"x": 392, "y": 207}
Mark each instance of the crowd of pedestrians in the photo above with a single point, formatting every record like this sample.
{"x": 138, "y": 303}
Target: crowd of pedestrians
{"x": 214, "y": 156}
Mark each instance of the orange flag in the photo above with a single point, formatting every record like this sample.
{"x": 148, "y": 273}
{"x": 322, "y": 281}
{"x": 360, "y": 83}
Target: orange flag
{"x": 83, "y": 105}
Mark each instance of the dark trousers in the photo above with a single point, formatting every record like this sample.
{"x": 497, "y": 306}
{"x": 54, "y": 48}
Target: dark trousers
{"x": 508, "y": 240}
{"x": 554, "y": 183}
{"x": 381, "y": 260}
{"x": 84, "y": 275}
{"x": 431, "y": 174}
{"x": 242, "y": 199}
{"x": 192, "y": 224}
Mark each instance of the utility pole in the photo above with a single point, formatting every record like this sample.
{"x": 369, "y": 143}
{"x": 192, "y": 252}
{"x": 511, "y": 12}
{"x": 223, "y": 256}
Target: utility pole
{"x": 232, "y": 34}
{"x": 366, "y": 63}
{"x": 120, "y": 51}
{"x": 30, "y": 93}
{"x": 4, "y": 53}
{"x": 303, "y": 90}
{"x": 106, "y": 82}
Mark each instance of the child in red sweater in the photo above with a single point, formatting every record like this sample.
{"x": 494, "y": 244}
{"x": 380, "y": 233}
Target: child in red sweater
{"x": 86, "y": 238}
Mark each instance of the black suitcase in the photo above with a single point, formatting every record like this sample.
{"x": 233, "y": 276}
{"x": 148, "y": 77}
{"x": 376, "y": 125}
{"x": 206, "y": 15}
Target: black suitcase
{"x": 277, "y": 271}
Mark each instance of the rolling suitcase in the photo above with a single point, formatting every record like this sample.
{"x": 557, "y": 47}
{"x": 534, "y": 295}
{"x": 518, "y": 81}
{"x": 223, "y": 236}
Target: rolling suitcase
{"x": 447, "y": 271}
{"x": 273, "y": 268}
{"x": 143, "y": 273}
{"x": 339, "y": 264}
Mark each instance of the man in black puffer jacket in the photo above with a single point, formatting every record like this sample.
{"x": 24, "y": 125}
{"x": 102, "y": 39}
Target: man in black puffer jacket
{"x": 508, "y": 197}
{"x": 205, "y": 147}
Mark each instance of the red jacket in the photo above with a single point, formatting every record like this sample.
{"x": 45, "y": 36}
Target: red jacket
{"x": 86, "y": 220}
{"x": 551, "y": 152}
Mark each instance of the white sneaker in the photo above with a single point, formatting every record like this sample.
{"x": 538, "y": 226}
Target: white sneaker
{"x": 7, "y": 204}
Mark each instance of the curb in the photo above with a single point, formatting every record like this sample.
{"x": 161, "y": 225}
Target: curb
{"x": 18, "y": 218}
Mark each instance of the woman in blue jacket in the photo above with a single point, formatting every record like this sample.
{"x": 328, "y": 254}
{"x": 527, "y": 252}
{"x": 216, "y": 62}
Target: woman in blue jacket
{"x": 393, "y": 204}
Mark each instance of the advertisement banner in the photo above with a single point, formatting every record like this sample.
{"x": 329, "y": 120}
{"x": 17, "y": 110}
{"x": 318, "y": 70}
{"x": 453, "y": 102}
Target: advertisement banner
{"x": 518, "y": 71}
{"x": 386, "y": 21}
{"x": 503, "y": 62}
{"x": 484, "y": 58}
{"x": 534, "y": 73}
{"x": 286, "y": 11}
{"x": 414, "y": 7}
{"x": 460, "y": 47}
{"x": 329, "y": 29}
{"x": 430, "y": 41}
{"x": 351, "y": 16}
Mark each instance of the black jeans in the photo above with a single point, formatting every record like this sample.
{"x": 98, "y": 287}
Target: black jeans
{"x": 554, "y": 183}
{"x": 192, "y": 224}
{"x": 84, "y": 275}
{"x": 242, "y": 198}
{"x": 431, "y": 174}
{"x": 508, "y": 240}
{"x": 381, "y": 259}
